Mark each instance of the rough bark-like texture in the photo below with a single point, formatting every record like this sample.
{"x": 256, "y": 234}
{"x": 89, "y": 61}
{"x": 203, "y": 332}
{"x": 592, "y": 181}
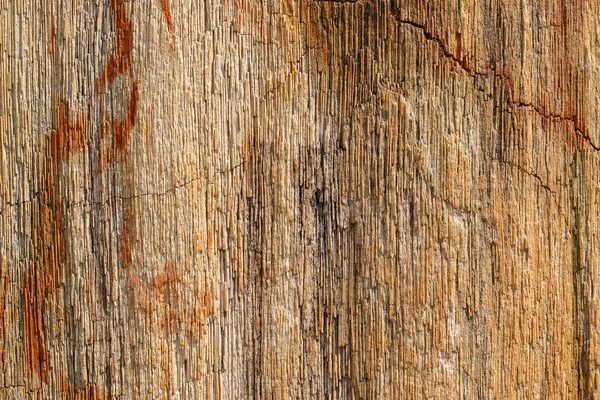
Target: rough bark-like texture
{"x": 299, "y": 199}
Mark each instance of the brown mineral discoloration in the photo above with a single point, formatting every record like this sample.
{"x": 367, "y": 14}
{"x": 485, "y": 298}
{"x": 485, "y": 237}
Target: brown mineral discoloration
{"x": 122, "y": 129}
{"x": 169, "y": 276}
{"x": 69, "y": 137}
{"x": 158, "y": 284}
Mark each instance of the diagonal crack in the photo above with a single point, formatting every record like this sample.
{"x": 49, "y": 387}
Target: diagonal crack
{"x": 429, "y": 36}
{"x": 506, "y": 80}
{"x": 530, "y": 173}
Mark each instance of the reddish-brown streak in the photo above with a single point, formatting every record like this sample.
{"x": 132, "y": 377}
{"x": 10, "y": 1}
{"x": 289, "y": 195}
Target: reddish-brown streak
{"x": 148, "y": 294}
{"x": 87, "y": 392}
{"x": 65, "y": 140}
{"x": 160, "y": 281}
{"x": 50, "y": 247}
{"x": 210, "y": 238}
{"x": 123, "y": 128}
{"x": 125, "y": 240}
{"x": 120, "y": 60}
{"x": 49, "y": 243}
{"x": 165, "y": 8}
{"x": 51, "y": 41}
{"x": 119, "y": 63}
{"x": 36, "y": 355}
{"x": 243, "y": 9}
{"x": 121, "y": 133}
{"x": 195, "y": 320}
{"x": 2, "y": 307}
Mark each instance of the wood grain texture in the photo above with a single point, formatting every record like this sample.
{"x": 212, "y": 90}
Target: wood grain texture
{"x": 284, "y": 199}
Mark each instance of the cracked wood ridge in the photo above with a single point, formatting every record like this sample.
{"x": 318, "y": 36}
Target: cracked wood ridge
{"x": 299, "y": 199}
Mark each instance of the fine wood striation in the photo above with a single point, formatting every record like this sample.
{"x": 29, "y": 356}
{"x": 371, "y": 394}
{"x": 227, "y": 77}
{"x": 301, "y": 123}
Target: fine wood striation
{"x": 299, "y": 199}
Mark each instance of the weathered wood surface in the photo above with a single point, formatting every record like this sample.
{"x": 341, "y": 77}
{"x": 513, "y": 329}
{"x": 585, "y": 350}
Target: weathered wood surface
{"x": 299, "y": 199}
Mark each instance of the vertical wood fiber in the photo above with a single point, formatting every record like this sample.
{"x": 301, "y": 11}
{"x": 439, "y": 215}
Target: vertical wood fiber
{"x": 299, "y": 199}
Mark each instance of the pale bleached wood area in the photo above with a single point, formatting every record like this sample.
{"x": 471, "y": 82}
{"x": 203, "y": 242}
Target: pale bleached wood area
{"x": 281, "y": 199}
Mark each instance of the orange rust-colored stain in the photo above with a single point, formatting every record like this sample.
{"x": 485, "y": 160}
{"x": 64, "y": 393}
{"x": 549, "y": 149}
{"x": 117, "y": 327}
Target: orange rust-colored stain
{"x": 150, "y": 296}
{"x": 68, "y": 138}
{"x": 155, "y": 298}
{"x": 165, "y": 8}
{"x": 48, "y": 240}
{"x": 157, "y": 285}
{"x": 87, "y": 392}
{"x": 40, "y": 281}
{"x": 125, "y": 240}
{"x": 51, "y": 40}
{"x": 169, "y": 276}
{"x": 195, "y": 320}
{"x": 243, "y": 11}
{"x": 210, "y": 238}
{"x": 119, "y": 61}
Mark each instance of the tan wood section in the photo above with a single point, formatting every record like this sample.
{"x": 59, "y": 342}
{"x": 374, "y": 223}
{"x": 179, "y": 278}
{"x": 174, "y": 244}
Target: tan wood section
{"x": 299, "y": 199}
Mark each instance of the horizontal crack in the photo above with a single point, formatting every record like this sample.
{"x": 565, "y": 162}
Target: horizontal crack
{"x": 9, "y": 205}
{"x": 174, "y": 188}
